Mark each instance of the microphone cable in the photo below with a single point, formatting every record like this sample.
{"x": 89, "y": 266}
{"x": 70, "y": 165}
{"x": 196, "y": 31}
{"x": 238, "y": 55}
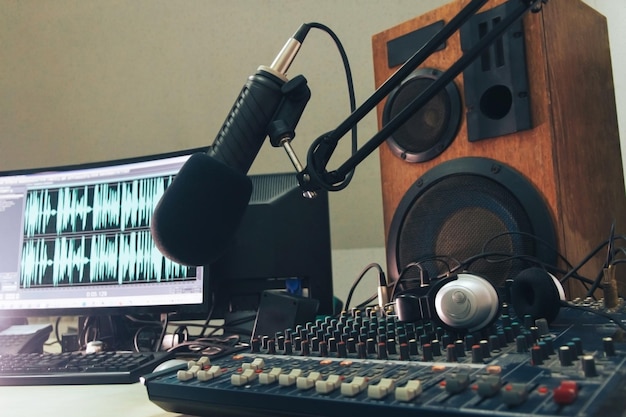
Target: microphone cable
{"x": 311, "y": 161}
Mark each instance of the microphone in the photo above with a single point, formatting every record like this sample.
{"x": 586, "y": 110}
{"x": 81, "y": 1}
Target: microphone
{"x": 202, "y": 208}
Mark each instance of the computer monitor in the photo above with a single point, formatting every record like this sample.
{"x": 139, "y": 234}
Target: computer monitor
{"x": 75, "y": 240}
{"x": 283, "y": 243}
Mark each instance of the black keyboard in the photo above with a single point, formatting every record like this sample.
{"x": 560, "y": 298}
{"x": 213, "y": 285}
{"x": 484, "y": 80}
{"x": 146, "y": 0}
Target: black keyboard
{"x": 77, "y": 368}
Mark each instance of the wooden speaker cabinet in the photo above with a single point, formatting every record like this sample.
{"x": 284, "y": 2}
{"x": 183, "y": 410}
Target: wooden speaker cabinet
{"x": 555, "y": 126}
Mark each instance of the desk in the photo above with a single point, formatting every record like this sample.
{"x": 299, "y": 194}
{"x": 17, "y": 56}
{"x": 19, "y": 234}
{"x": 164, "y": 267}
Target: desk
{"x": 79, "y": 401}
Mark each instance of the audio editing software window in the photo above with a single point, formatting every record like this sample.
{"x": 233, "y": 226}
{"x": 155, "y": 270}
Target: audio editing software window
{"x": 78, "y": 238}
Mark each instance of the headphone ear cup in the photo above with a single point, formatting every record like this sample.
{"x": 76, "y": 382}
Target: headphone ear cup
{"x": 468, "y": 303}
{"x": 537, "y": 293}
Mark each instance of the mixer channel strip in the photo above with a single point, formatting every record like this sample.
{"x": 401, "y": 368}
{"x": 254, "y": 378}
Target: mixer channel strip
{"x": 576, "y": 367}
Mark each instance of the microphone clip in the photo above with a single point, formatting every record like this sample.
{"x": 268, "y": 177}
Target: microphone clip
{"x": 282, "y": 128}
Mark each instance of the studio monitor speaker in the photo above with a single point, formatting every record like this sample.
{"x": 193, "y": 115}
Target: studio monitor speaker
{"x": 523, "y": 142}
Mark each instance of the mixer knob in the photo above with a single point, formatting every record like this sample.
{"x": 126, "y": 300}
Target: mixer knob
{"x": 361, "y": 351}
{"x": 255, "y": 345}
{"x": 382, "y": 350}
{"x": 565, "y": 356}
{"x": 271, "y": 347}
{"x": 477, "y": 354}
{"x": 342, "y": 350}
{"x": 501, "y": 338}
{"x": 589, "y": 366}
{"x": 450, "y": 353}
{"x": 459, "y": 348}
{"x": 549, "y": 345}
{"x": 609, "y": 346}
{"x": 315, "y": 344}
{"x": 305, "y": 348}
{"x": 508, "y": 334}
{"x": 484, "y": 347}
{"x": 298, "y": 343}
{"x": 534, "y": 332}
{"x": 404, "y": 352}
{"x": 578, "y": 346}
{"x": 520, "y": 344}
{"x": 280, "y": 341}
{"x": 436, "y": 347}
{"x": 573, "y": 350}
{"x": 351, "y": 345}
{"x": 542, "y": 326}
{"x": 494, "y": 343}
{"x": 323, "y": 348}
{"x": 516, "y": 327}
{"x": 332, "y": 345}
{"x": 528, "y": 321}
{"x": 427, "y": 352}
{"x": 536, "y": 356}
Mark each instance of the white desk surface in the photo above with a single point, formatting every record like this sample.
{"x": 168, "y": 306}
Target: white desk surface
{"x": 79, "y": 401}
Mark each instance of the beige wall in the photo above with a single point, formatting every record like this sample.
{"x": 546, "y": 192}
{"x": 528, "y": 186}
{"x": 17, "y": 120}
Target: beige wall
{"x": 89, "y": 80}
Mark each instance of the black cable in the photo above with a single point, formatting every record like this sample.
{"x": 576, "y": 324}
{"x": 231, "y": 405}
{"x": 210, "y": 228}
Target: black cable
{"x": 165, "y": 320}
{"x": 351, "y": 96}
{"x": 230, "y": 326}
{"x": 359, "y": 278}
{"x": 209, "y": 316}
{"x": 533, "y": 237}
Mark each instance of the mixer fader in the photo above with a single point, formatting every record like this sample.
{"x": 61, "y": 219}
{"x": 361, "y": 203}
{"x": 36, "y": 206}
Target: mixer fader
{"x": 363, "y": 362}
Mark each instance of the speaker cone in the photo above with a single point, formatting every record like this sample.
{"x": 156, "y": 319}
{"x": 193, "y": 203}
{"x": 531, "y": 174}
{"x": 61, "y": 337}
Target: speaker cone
{"x": 429, "y": 131}
{"x": 467, "y": 206}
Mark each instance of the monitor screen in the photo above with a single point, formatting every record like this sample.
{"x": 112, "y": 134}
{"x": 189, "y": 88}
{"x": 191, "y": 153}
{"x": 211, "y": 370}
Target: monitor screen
{"x": 75, "y": 240}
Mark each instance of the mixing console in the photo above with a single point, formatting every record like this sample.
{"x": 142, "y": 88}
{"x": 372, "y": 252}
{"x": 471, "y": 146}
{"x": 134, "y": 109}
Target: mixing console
{"x": 363, "y": 363}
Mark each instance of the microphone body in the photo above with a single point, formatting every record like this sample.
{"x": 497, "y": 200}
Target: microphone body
{"x": 244, "y": 130}
{"x": 200, "y": 211}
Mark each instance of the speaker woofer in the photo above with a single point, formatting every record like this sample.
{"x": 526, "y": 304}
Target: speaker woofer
{"x": 429, "y": 131}
{"x": 459, "y": 206}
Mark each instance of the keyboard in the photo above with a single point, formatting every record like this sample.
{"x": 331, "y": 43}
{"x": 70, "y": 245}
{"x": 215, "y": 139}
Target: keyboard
{"x": 77, "y": 368}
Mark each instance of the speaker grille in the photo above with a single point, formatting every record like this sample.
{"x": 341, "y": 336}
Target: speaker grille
{"x": 465, "y": 207}
{"x": 432, "y": 128}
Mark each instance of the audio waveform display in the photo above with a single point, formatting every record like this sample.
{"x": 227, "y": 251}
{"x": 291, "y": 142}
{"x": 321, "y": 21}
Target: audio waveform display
{"x": 95, "y": 234}
{"x": 120, "y": 206}
{"x": 117, "y": 258}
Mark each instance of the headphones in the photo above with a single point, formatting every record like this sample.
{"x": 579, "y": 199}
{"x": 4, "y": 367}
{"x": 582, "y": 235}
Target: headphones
{"x": 461, "y": 302}
{"x": 467, "y": 302}
{"x": 536, "y": 292}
